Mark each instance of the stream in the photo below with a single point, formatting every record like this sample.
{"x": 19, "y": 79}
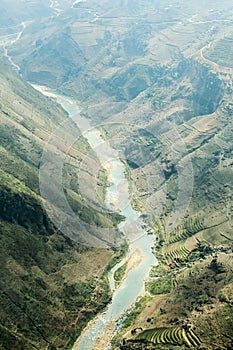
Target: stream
{"x": 134, "y": 229}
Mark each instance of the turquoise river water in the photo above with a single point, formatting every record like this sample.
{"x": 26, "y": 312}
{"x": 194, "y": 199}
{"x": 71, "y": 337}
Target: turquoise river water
{"x": 133, "y": 227}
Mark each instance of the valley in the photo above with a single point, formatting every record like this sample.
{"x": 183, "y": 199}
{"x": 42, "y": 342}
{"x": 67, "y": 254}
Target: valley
{"x": 153, "y": 85}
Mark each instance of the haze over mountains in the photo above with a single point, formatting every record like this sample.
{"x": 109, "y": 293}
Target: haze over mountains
{"x": 156, "y": 78}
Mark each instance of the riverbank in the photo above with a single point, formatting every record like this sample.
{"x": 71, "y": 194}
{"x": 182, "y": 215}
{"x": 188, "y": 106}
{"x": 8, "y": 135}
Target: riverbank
{"x": 135, "y": 259}
{"x": 101, "y": 330}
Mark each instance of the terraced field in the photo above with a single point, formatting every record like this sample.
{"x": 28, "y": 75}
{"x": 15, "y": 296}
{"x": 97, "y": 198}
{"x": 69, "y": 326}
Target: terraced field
{"x": 160, "y": 229}
{"x": 174, "y": 244}
{"x": 176, "y": 252}
{"x": 172, "y": 335}
{"x": 221, "y": 51}
{"x": 189, "y": 228}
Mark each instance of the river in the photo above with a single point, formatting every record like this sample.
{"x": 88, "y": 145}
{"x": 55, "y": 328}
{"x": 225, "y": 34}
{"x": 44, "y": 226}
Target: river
{"x": 134, "y": 229}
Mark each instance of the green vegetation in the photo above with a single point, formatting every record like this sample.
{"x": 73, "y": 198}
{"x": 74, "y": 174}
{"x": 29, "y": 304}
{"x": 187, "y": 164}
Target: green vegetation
{"x": 20, "y": 205}
{"x": 13, "y": 140}
{"x": 35, "y": 293}
{"x": 159, "y": 271}
{"x": 50, "y": 286}
{"x": 132, "y": 315}
{"x": 160, "y": 231}
{"x": 176, "y": 253}
{"x": 203, "y": 290}
{"x": 173, "y": 243}
{"x": 185, "y": 230}
{"x": 162, "y": 285}
{"x": 102, "y": 183}
{"x": 120, "y": 252}
{"x": 91, "y": 215}
{"x": 173, "y": 336}
{"x": 119, "y": 273}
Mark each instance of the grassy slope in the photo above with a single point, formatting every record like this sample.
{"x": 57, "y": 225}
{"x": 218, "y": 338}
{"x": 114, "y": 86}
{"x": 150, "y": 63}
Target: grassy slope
{"x": 50, "y": 286}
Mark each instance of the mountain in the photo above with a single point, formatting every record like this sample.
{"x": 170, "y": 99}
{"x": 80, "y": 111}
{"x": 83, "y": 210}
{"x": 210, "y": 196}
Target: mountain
{"x": 50, "y": 285}
{"x": 14, "y": 12}
{"x": 156, "y": 78}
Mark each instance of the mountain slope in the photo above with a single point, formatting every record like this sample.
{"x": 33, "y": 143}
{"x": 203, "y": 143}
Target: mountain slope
{"x": 152, "y": 74}
{"x": 50, "y": 285}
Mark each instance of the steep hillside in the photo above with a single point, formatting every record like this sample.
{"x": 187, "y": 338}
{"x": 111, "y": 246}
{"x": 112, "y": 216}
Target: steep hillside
{"x": 156, "y": 77}
{"x": 50, "y": 285}
{"x": 180, "y": 168}
{"x": 100, "y": 52}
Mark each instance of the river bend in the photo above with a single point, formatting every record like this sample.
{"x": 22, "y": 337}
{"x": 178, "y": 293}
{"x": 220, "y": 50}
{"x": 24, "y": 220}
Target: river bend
{"x": 133, "y": 228}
